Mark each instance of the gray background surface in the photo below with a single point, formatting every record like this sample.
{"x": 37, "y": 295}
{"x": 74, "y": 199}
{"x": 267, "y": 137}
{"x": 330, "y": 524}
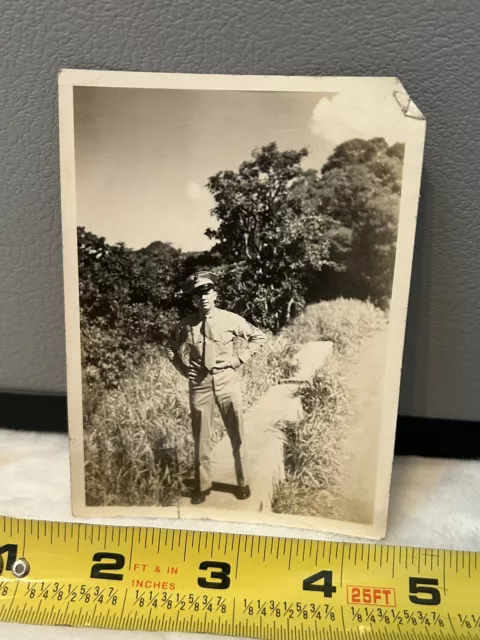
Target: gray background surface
{"x": 432, "y": 46}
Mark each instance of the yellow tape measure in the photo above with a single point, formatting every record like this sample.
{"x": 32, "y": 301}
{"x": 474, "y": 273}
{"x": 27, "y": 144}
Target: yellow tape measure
{"x": 265, "y": 587}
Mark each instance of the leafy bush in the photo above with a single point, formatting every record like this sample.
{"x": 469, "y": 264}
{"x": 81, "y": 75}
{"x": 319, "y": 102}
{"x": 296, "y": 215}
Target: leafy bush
{"x": 107, "y": 355}
{"x": 127, "y": 302}
{"x": 342, "y": 321}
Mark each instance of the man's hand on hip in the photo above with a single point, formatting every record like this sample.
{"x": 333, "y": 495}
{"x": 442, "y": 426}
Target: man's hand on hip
{"x": 235, "y": 362}
{"x": 194, "y": 369}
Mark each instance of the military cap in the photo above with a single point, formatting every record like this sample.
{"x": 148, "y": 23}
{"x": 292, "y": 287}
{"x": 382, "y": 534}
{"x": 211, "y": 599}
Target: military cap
{"x": 198, "y": 280}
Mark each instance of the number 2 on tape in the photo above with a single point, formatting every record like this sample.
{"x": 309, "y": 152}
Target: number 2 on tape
{"x": 422, "y": 591}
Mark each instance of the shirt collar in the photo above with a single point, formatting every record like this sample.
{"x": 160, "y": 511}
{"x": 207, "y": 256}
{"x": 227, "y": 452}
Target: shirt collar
{"x": 211, "y": 315}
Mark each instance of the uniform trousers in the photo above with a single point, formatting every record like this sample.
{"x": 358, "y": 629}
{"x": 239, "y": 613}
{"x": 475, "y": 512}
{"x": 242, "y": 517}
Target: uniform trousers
{"x": 223, "y": 389}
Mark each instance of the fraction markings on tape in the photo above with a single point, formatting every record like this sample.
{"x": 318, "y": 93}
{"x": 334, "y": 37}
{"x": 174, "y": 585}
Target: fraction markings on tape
{"x": 280, "y": 588}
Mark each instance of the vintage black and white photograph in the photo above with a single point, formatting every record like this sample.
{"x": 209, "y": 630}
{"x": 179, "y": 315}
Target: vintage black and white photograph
{"x": 237, "y": 257}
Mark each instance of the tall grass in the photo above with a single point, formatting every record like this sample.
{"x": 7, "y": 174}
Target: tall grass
{"x": 137, "y": 438}
{"x": 138, "y": 441}
{"x": 314, "y": 459}
{"x": 314, "y": 452}
{"x": 274, "y": 362}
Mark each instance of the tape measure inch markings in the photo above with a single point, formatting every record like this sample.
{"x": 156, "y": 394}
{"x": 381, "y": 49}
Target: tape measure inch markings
{"x": 174, "y": 580}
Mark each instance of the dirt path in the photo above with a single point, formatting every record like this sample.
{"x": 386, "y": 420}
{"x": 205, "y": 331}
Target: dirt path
{"x": 364, "y": 382}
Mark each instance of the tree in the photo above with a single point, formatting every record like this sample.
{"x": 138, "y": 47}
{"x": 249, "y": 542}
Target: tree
{"x": 372, "y": 258}
{"x": 270, "y": 237}
{"x": 360, "y": 188}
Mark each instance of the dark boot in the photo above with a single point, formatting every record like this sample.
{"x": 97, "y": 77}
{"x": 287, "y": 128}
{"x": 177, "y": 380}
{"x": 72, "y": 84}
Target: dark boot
{"x": 243, "y": 493}
{"x": 199, "y": 496}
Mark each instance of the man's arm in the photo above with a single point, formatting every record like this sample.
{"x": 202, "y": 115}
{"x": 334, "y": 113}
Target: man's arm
{"x": 254, "y": 338}
{"x": 175, "y": 344}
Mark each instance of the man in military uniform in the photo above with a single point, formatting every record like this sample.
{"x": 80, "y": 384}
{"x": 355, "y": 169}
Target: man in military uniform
{"x": 206, "y": 337}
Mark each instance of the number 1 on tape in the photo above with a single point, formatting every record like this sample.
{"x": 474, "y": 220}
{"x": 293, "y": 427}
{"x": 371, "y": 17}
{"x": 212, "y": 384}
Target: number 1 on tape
{"x": 159, "y": 579}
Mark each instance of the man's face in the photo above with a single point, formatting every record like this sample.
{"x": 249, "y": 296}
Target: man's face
{"x": 204, "y": 299}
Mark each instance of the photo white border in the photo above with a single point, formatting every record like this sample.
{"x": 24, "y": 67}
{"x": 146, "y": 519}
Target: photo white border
{"x": 414, "y": 143}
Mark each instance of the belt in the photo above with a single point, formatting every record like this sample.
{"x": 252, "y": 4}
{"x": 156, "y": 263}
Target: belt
{"x": 216, "y": 370}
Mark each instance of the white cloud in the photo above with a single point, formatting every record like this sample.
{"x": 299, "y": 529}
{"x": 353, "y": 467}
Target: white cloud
{"x": 196, "y": 192}
{"x": 359, "y": 114}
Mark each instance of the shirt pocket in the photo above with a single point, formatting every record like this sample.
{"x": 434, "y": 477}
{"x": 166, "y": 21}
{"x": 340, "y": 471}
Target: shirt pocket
{"x": 195, "y": 343}
{"x": 222, "y": 337}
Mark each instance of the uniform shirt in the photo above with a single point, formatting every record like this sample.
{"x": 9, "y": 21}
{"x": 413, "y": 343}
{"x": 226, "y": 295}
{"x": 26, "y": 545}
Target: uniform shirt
{"x": 188, "y": 339}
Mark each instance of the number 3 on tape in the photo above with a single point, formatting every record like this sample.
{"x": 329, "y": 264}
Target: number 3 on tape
{"x": 144, "y": 578}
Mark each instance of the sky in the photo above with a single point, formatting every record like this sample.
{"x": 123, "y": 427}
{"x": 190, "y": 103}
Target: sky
{"x": 143, "y": 156}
